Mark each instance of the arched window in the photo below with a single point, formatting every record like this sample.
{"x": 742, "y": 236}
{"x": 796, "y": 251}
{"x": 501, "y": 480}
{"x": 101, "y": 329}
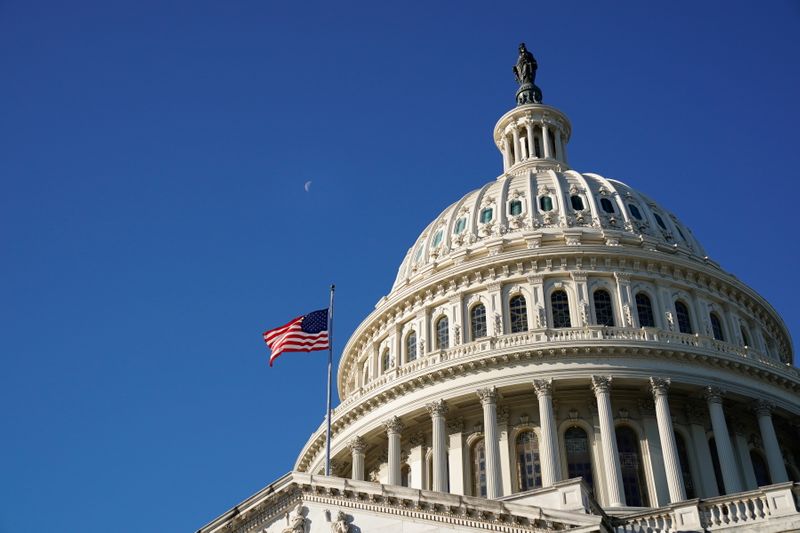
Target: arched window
{"x": 576, "y": 202}
{"x": 461, "y": 223}
{"x": 683, "y": 457}
{"x": 518, "y": 313}
{"x": 560, "y": 307}
{"x": 606, "y": 204}
{"x": 479, "y": 469}
{"x": 712, "y": 445}
{"x": 437, "y": 238}
{"x": 760, "y": 469}
{"x": 515, "y": 207}
{"x": 630, "y": 460}
{"x": 545, "y": 203}
{"x": 477, "y": 321}
{"x": 644, "y": 309}
{"x": 442, "y": 333}
{"x": 579, "y": 457}
{"x": 386, "y": 360}
{"x": 603, "y": 309}
{"x": 745, "y": 338}
{"x": 411, "y": 346}
{"x": 716, "y": 327}
{"x": 529, "y": 469}
{"x": 635, "y": 212}
{"x": 684, "y": 321}
{"x": 486, "y": 215}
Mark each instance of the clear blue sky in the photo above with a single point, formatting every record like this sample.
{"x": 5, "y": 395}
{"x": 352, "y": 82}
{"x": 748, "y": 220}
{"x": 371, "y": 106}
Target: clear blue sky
{"x": 153, "y": 220}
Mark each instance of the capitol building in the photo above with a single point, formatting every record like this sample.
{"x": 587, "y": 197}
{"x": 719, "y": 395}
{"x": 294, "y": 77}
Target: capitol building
{"x": 557, "y": 353}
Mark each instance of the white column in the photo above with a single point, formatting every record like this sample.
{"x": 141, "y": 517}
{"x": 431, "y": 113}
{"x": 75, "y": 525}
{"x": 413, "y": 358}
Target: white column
{"x": 393, "y": 429}
{"x": 730, "y": 475}
{"x": 505, "y": 451}
{"x": 742, "y": 449}
{"x": 546, "y": 141}
{"x": 357, "y": 449}
{"x": 777, "y": 468}
{"x": 602, "y": 390}
{"x": 456, "y": 456}
{"x": 548, "y": 448}
{"x": 488, "y": 397}
{"x": 707, "y": 488}
{"x": 506, "y": 153}
{"x": 559, "y": 146}
{"x": 672, "y": 463}
{"x": 657, "y": 487}
{"x": 437, "y": 411}
{"x": 517, "y": 147}
{"x": 531, "y": 142}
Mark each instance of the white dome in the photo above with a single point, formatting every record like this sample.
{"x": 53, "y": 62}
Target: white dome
{"x": 545, "y": 206}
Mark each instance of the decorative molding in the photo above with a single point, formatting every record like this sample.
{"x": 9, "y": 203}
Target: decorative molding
{"x": 394, "y": 425}
{"x": 487, "y": 395}
{"x": 543, "y": 387}
{"x": 659, "y": 386}
{"x": 357, "y": 444}
{"x": 601, "y": 384}
{"x": 437, "y": 408}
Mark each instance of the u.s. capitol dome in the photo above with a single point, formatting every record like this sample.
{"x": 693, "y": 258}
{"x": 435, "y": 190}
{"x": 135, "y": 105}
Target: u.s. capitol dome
{"x": 557, "y": 352}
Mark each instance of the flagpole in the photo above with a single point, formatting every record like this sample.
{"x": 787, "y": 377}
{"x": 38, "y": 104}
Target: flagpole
{"x": 330, "y": 367}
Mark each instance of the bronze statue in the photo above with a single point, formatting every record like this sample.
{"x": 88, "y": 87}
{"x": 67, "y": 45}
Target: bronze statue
{"x": 525, "y": 72}
{"x": 525, "y": 69}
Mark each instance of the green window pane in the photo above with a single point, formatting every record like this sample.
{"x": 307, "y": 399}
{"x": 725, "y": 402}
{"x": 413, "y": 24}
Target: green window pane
{"x": 486, "y": 215}
{"x": 546, "y": 203}
{"x": 461, "y": 223}
{"x": 437, "y": 239}
{"x": 515, "y": 207}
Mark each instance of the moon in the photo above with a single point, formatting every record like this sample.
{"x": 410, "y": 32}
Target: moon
{"x": 307, "y": 186}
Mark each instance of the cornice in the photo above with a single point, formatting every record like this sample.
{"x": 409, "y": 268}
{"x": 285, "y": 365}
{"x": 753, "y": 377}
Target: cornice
{"x": 513, "y": 349}
{"x": 516, "y": 265}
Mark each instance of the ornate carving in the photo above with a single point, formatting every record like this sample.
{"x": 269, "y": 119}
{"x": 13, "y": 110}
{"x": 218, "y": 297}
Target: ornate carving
{"x": 487, "y": 395}
{"x": 456, "y": 426}
{"x": 695, "y": 414}
{"x": 296, "y": 520}
{"x": 541, "y": 317}
{"x": 626, "y": 313}
{"x": 647, "y": 407}
{"x": 763, "y": 408}
{"x": 418, "y": 439}
{"x": 498, "y": 324}
{"x": 659, "y": 386}
{"x": 393, "y": 425}
{"x": 437, "y": 408}
{"x": 713, "y": 394}
{"x": 340, "y": 525}
{"x": 357, "y": 444}
{"x": 601, "y": 384}
{"x": 543, "y": 387}
{"x": 503, "y": 415}
{"x": 456, "y": 334}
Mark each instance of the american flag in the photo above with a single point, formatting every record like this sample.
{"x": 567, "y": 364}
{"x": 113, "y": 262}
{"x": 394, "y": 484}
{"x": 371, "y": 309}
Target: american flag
{"x": 307, "y": 333}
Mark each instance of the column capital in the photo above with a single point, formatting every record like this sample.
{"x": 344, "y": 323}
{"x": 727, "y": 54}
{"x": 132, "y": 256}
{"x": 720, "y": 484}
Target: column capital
{"x": 659, "y": 386}
{"x": 393, "y": 425}
{"x": 713, "y": 394}
{"x": 436, "y": 408}
{"x": 622, "y": 277}
{"x": 357, "y": 444}
{"x": 601, "y": 384}
{"x": 488, "y": 395}
{"x": 543, "y": 387}
{"x": 763, "y": 408}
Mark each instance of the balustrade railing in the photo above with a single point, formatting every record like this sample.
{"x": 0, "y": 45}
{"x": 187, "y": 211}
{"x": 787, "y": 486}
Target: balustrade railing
{"x": 751, "y": 511}
{"x": 540, "y": 337}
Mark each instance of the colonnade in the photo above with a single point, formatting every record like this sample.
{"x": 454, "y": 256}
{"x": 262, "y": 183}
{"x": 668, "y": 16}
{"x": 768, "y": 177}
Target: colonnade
{"x": 549, "y": 450}
{"x": 528, "y": 139}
